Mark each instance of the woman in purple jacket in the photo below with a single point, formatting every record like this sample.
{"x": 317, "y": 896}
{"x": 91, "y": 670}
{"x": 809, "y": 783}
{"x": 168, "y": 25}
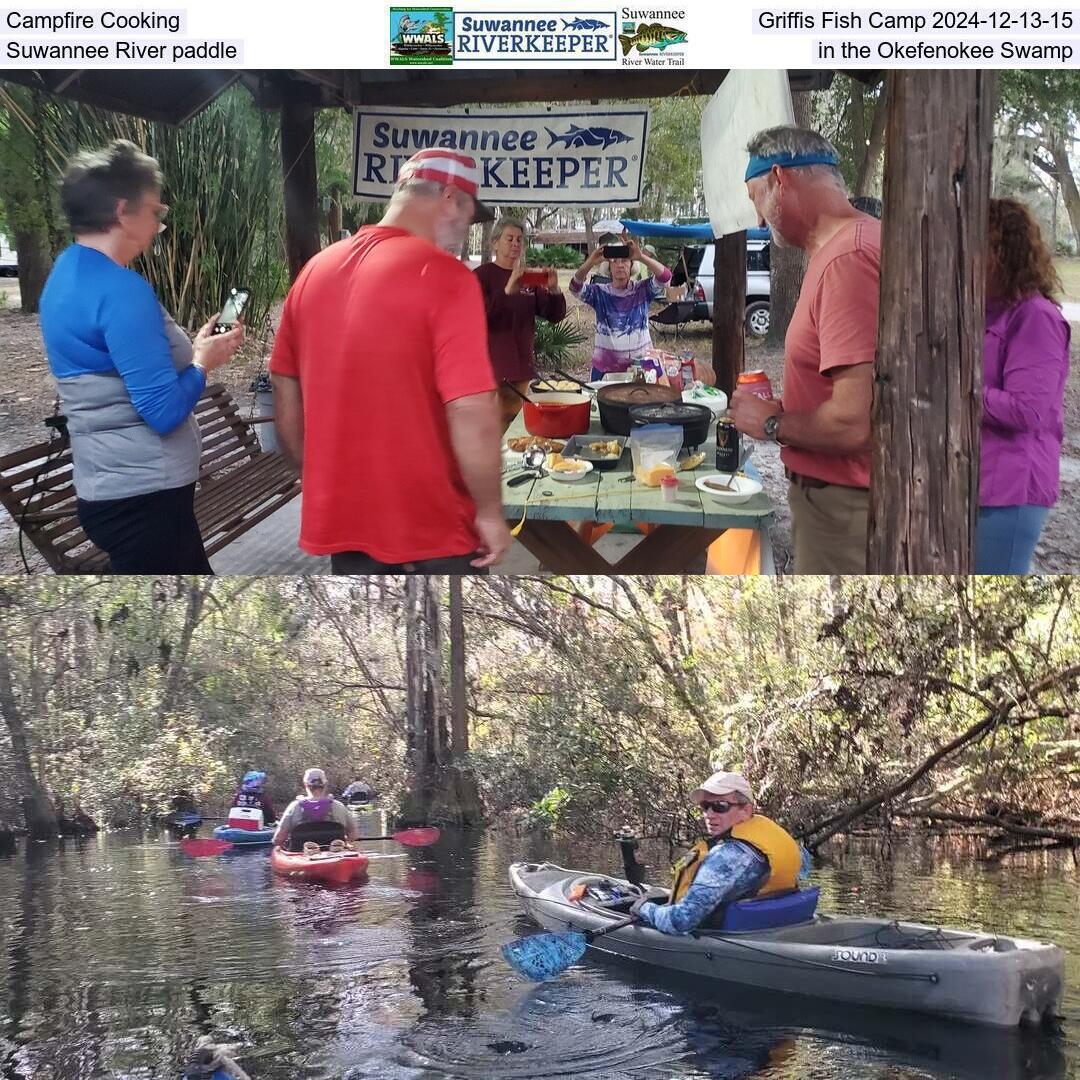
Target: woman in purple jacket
{"x": 1025, "y": 365}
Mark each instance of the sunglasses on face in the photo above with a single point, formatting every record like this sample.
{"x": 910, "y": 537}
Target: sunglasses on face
{"x": 717, "y": 807}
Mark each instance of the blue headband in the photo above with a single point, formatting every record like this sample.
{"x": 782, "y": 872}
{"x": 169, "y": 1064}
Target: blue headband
{"x": 759, "y": 165}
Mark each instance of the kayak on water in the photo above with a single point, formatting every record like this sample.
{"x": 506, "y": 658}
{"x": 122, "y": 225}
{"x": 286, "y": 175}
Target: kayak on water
{"x": 362, "y": 808}
{"x": 332, "y": 866}
{"x": 961, "y": 974}
{"x": 244, "y": 837}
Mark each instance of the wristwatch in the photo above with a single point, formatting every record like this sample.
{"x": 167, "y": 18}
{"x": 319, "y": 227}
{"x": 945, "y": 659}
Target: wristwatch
{"x": 772, "y": 427}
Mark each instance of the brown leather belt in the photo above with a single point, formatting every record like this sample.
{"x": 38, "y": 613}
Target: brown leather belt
{"x": 813, "y": 482}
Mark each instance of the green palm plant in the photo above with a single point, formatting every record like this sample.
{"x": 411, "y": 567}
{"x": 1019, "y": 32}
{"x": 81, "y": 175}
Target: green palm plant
{"x": 555, "y": 343}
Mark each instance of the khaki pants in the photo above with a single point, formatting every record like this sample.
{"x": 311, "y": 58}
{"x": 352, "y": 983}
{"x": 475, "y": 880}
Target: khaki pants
{"x": 828, "y": 526}
{"x": 509, "y": 402}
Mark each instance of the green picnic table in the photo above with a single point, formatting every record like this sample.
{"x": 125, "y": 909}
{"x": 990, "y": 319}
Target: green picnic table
{"x": 683, "y": 529}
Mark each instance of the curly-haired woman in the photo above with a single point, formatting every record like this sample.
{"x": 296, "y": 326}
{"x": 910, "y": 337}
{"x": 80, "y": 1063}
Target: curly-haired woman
{"x": 1025, "y": 365}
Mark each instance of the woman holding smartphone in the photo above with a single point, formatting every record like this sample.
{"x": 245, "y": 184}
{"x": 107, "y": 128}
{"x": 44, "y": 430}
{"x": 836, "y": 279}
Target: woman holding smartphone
{"x": 622, "y": 307}
{"x": 128, "y": 376}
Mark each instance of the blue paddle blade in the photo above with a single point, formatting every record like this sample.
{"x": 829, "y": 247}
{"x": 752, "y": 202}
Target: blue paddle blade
{"x": 543, "y": 956}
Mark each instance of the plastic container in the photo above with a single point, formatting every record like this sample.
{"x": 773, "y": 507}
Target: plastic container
{"x": 669, "y": 488}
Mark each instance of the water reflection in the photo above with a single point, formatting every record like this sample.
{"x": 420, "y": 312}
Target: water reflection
{"x": 119, "y": 951}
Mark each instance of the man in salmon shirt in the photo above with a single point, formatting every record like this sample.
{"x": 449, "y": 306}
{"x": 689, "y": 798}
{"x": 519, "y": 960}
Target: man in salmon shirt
{"x": 823, "y": 422}
{"x": 383, "y": 389}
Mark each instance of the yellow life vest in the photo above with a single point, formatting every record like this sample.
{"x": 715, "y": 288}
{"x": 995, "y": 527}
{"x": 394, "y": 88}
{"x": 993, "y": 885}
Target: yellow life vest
{"x": 764, "y": 836}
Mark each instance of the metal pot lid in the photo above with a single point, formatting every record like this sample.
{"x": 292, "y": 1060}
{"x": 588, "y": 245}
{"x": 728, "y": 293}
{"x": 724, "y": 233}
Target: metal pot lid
{"x": 637, "y": 394}
{"x": 672, "y": 412}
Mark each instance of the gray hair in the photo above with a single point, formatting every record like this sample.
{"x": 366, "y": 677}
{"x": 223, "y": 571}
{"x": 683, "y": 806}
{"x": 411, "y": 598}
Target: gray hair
{"x": 505, "y": 223}
{"x": 411, "y": 189}
{"x": 788, "y": 139}
{"x": 96, "y": 180}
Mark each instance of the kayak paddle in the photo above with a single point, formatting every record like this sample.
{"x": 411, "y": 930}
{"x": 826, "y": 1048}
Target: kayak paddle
{"x": 424, "y": 837}
{"x": 198, "y": 848}
{"x": 543, "y": 956}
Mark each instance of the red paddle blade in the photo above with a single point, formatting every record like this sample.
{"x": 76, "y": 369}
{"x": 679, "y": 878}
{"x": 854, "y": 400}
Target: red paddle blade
{"x": 200, "y": 848}
{"x": 424, "y": 837}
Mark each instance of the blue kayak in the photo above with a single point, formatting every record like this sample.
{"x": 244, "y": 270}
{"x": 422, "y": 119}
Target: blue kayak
{"x": 181, "y": 821}
{"x": 244, "y": 837}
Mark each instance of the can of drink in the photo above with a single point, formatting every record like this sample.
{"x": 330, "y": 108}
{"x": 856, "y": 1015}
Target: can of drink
{"x": 757, "y": 382}
{"x": 727, "y": 445}
{"x": 687, "y": 372}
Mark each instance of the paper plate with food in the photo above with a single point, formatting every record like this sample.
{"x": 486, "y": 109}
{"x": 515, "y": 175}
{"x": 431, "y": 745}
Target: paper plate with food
{"x": 518, "y": 444}
{"x": 567, "y": 470}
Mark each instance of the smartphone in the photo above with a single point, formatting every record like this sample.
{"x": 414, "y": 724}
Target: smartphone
{"x": 231, "y": 310}
{"x": 533, "y": 279}
{"x": 616, "y": 251}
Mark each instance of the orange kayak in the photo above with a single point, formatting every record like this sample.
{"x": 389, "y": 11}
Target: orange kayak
{"x": 335, "y": 866}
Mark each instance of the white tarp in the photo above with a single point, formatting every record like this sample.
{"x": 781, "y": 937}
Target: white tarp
{"x": 528, "y": 157}
{"x": 745, "y": 103}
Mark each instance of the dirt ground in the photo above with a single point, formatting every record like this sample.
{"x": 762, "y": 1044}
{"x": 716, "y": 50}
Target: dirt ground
{"x": 27, "y": 395}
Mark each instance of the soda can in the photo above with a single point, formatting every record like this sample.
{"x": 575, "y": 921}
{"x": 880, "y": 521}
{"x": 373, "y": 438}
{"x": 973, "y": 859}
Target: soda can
{"x": 757, "y": 382}
{"x": 727, "y": 445}
{"x": 687, "y": 371}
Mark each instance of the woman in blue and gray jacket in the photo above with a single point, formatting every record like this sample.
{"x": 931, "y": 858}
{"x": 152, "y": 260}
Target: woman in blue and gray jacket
{"x": 128, "y": 376}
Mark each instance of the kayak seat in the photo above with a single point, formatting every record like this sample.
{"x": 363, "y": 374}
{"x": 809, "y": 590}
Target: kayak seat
{"x": 770, "y": 912}
{"x": 317, "y": 832}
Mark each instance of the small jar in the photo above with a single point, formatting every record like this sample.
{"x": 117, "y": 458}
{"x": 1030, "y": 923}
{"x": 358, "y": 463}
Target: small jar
{"x": 669, "y": 488}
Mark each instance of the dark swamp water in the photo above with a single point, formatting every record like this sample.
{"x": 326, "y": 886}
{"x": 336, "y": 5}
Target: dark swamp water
{"x": 117, "y": 952}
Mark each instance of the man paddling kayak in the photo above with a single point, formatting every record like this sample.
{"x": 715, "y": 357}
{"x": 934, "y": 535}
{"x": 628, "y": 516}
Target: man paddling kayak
{"x": 745, "y": 855}
{"x": 318, "y": 819}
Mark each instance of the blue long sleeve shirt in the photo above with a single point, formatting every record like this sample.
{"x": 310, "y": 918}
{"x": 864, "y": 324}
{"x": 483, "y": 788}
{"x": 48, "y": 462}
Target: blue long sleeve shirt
{"x": 101, "y": 318}
{"x": 730, "y": 871}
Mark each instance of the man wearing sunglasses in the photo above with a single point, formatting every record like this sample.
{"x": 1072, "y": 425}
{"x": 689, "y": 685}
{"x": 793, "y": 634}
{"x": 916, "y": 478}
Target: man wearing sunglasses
{"x": 746, "y": 855}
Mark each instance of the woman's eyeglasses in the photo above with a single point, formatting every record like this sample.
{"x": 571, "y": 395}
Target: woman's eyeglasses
{"x": 717, "y": 807}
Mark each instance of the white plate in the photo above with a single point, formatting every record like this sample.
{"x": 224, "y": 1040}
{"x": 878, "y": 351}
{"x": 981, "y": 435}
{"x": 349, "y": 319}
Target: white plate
{"x": 742, "y": 488}
{"x": 612, "y": 378}
{"x": 718, "y": 402}
{"x": 567, "y": 477}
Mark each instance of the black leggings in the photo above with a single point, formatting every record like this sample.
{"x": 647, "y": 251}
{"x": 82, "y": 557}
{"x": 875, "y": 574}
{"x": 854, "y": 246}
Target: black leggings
{"x": 147, "y": 534}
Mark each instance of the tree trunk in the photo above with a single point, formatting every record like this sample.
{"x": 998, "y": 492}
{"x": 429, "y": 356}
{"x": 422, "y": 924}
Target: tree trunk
{"x": 37, "y": 808}
{"x": 928, "y": 380}
{"x": 590, "y": 236}
{"x": 486, "y": 229}
{"x": 35, "y": 262}
{"x": 787, "y": 265}
{"x": 178, "y": 655}
{"x": 333, "y": 220}
{"x": 459, "y": 739}
{"x": 866, "y": 181}
{"x": 1060, "y": 149}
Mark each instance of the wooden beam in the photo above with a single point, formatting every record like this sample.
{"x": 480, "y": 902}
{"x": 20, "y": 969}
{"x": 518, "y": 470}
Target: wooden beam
{"x": 301, "y": 183}
{"x": 924, "y": 484}
{"x": 729, "y": 310}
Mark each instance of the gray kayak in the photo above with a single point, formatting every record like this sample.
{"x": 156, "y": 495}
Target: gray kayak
{"x": 960, "y": 974}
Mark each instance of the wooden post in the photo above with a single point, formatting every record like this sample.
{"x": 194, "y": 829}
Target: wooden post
{"x": 729, "y": 310}
{"x": 924, "y": 484}
{"x": 302, "y": 222}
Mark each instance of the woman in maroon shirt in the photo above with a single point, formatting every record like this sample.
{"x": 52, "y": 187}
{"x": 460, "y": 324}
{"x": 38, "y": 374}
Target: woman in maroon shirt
{"x": 512, "y": 313}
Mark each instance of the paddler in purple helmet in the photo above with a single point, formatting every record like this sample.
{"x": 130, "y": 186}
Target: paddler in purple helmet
{"x": 315, "y": 818}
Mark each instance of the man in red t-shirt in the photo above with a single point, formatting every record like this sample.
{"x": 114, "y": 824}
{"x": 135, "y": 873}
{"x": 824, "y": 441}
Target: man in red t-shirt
{"x": 823, "y": 421}
{"x": 383, "y": 390}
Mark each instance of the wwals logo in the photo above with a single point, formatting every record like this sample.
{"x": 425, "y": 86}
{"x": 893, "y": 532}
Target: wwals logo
{"x": 421, "y": 35}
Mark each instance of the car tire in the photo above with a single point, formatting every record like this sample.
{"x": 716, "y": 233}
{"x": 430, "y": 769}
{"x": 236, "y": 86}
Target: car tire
{"x": 757, "y": 318}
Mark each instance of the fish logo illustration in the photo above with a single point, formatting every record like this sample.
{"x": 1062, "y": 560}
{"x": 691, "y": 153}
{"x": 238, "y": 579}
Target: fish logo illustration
{"x": 651, "y": 36}
{"x": 575, "y": 137}
{"x": 584, "y": 24}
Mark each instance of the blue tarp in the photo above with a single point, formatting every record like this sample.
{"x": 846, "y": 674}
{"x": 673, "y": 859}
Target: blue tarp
{"x": 666, "y": 230}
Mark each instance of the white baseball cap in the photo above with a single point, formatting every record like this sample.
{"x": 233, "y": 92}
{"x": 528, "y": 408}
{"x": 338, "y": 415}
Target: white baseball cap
{"x": 724, "y": 783}
{"x": 314, "y": 778}
{"x": 451, "y": 169}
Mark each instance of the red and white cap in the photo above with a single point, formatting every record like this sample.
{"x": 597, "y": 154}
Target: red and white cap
{"x": 450, "y": 169}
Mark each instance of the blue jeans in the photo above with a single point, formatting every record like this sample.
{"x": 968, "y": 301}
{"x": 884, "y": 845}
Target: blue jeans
{"x": 1005, "y": 538}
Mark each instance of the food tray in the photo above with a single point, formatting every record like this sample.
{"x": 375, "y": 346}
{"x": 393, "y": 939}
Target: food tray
{"x": 578, "y": 446}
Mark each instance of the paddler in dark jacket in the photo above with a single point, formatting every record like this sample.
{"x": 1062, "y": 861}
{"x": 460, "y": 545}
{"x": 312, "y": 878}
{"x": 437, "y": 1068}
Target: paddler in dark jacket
{"x": 317, "y": 806}
{"x": 252, "y": 797}
{"x": 745, "y": 855}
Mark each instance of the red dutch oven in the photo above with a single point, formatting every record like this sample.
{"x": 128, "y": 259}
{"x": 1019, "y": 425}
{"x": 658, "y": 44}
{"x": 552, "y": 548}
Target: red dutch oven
{"x": 557, "y": 416}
